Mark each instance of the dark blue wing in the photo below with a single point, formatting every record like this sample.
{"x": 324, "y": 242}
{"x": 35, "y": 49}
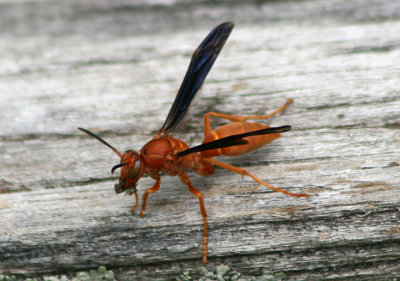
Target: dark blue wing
{"x": 233, "y": 140}
{"x": 203, "y": 59}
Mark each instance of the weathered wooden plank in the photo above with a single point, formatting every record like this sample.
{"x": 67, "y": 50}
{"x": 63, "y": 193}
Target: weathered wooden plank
{"x": 83, "y": 69}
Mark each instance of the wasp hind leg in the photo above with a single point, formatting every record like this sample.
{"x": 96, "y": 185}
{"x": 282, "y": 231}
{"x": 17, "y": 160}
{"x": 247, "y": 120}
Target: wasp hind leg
{"x": 235, "y": 118}
{"x": 244, "y": 172}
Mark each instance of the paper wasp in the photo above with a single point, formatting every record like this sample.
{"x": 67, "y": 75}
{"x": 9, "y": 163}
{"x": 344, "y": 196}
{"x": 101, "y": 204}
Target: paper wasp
{"x": 171, "y": 156}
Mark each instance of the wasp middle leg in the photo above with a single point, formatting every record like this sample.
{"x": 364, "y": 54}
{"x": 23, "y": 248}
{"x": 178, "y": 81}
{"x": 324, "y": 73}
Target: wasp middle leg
{"x": 185, "y": 179}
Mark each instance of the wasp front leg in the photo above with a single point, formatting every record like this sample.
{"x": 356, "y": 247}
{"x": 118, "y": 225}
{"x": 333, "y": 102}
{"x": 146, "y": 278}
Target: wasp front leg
{"x": 133, "y": 208}
{"x": 155, "y": 188}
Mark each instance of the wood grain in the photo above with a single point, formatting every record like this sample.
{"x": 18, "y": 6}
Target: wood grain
{"x": 115, "y": 68}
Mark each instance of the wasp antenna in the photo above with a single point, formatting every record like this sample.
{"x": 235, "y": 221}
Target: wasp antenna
{"x": 116, "y": 167}
{"x": 102, "y": 141}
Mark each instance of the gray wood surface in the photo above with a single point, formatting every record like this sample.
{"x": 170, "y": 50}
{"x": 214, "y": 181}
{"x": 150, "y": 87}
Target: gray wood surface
{"x": 115, "y": 66}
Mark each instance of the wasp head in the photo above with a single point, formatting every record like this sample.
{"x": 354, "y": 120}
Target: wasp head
{"x": 131, "y": 166}
{"x": 132, "y": 170}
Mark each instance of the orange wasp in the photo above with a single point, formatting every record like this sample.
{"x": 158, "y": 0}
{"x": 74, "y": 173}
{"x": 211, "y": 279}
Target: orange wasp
{"x": 171, "y": 156}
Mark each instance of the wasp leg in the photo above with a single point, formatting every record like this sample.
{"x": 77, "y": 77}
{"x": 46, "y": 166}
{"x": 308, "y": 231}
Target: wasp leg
{"x": 185, "y": 179}
{"x": 235, "y": 118}
{"x": 133, "y": 208}
{"x": 244, "y": 172}
{"x": 155, "y": 187}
